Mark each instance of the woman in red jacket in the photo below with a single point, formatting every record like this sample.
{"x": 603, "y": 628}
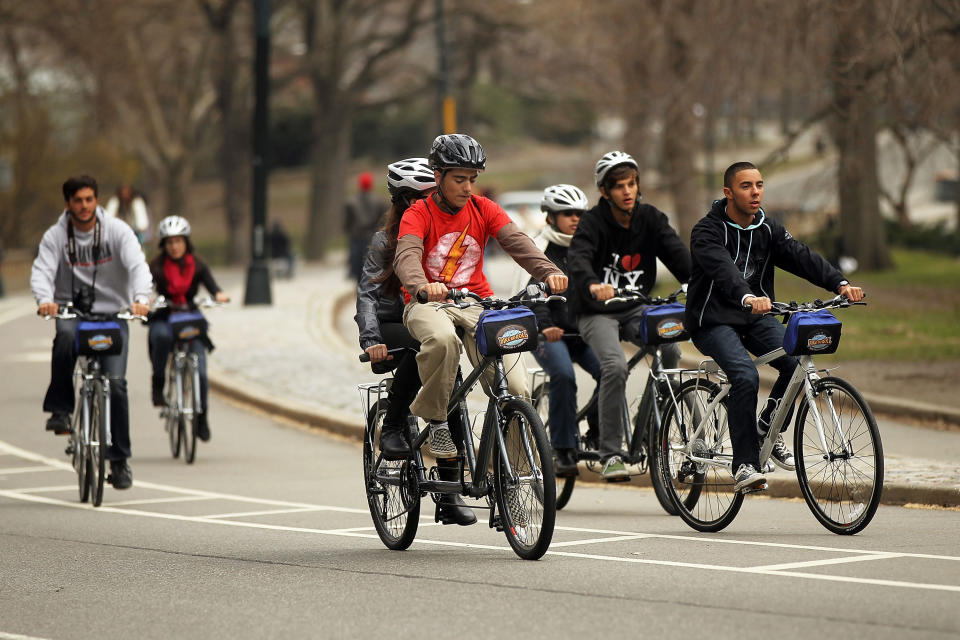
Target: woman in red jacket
{"x": 177, "y": 275}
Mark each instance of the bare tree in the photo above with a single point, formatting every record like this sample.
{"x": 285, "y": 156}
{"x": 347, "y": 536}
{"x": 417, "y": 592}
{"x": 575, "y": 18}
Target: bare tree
{"x": 350, "y": 44}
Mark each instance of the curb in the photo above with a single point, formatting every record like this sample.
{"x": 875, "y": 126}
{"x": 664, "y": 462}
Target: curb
{"x": 784, "y": 486}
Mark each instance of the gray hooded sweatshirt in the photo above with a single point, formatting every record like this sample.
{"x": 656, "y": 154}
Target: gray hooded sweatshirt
{"x": 122, "y": 272}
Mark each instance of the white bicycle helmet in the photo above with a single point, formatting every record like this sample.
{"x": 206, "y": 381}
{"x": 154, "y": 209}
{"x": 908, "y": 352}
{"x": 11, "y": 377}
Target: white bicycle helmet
{"x": 563, "y": 197}
{"x": 610, "y": 160}
{"x": 412, "y": 173}
{"x": 173, "y": 226}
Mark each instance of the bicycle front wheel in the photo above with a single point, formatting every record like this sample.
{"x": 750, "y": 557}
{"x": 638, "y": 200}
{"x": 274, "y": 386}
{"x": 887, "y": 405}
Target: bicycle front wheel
{"x": 172, "y": 413}
{"x": 188, "y": 414}
{"x": 695, "y": 455}
{"x": 841, "y": 483}
{"x": 527, "y": 491}
{"x": 79, "y": 445}
{"x": 645, "y": 439}
{"x": 394, "y": 504}
{"x": 96, "y": 447}
{"x": 541, "y": 402}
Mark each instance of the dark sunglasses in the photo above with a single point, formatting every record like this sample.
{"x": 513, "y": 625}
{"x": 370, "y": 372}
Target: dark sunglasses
{"x": 569, "y": 212}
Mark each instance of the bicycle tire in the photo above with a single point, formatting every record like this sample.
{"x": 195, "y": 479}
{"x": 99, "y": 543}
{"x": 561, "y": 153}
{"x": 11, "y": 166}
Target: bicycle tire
{"x": 541, "y": 402}
{"x": 172, "y": 412}
{"x": 395, "y": 512}
{"x": 96, "y": 457}
{"x": 528, "y": 505}
{"x": 188, "y": 413}
{"x": 648, "y": 435}
{"x": 842, "y": 491}
{"x": 80, "y": 449}
{"x": 702, "y": 493}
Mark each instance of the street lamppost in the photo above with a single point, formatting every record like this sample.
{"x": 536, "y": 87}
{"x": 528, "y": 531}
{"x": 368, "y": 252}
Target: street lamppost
{"x": 258, "y": 274}
{"x": 448, "y": 107}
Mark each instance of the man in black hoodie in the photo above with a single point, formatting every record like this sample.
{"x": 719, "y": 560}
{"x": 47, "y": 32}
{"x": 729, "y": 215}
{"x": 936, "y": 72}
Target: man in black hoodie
{"x": 616, "y": 245}
{"x": 735, "y": 249}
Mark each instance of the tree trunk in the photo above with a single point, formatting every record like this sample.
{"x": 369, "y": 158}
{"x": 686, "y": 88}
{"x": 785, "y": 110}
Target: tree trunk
{"x": 178, "y": 173}
{"x": 855, "y": 135}
{"x": 679, "y": 142}
{"x": 234, "y": 154}
{"x": 331, "y": 155}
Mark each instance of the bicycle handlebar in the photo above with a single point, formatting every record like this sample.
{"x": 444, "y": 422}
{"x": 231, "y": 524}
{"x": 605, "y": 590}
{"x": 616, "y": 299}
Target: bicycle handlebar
{"x": 628, "y": 293}
{"x": 789, "y": 308}
{"x": 69, "y": 312}
{"x": 459, "y": 298}
{"x": 365, "y": 357}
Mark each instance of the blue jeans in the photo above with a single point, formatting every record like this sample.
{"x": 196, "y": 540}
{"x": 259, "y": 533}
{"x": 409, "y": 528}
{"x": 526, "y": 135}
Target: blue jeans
{"x": 729, "y": 347}
{"x": 160, "y": 340}
{"x": 557, "y": 360}
{"x": 60, "y": 393}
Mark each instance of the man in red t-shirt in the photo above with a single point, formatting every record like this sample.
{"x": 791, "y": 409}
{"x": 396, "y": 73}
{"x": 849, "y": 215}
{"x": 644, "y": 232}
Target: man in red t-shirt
{"x": 440, "y": 246}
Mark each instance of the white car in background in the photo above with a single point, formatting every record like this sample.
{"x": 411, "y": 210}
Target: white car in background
{"x": 523, "y": 207}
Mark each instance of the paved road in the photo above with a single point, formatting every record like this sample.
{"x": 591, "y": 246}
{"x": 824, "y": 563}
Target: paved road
{"x": 268, "y": 535}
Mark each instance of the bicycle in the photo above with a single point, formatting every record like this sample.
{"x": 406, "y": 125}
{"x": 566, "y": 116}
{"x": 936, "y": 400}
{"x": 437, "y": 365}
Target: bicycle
{"x": 182, "y": 396}
{"x": 837, "y": 447}
{"x": 659, "y": 390}
{"x": 520, "y": 491}
{"x": 97, "y": 335}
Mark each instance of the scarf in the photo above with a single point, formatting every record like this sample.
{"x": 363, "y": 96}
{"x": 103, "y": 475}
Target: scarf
{"x": 550, "y": 234}
{"x": 179, "y": 275}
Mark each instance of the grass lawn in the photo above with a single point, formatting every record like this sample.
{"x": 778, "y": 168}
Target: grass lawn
{"x": 912, "y": 312}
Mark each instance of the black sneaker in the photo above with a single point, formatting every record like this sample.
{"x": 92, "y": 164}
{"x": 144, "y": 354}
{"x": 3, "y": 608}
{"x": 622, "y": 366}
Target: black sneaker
{"x": 203, "y": 429}
{"x": 121, "y": 477}
{"x": 782, "y": 456}
{"x": 393, "y": 445}
{"x": 59, "y": 423}
{"x": 566, "y": 462}
{"x": 748, "y": 479}
{"x": 453, "y": 510}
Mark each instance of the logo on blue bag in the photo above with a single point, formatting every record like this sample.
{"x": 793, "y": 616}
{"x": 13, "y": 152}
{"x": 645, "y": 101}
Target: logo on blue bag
{"x": 512, "y": 336}
{"x": 819, "y": 342}
{"x": 99, "y": 342}
{"x": 669, "y": 328}
{"x": 188, "y": 333}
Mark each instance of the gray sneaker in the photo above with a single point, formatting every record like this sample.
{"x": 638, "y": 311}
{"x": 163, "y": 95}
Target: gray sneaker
{"x": 441, "y": 441}
{"x": 782, "y": 456}
{"x": 614, "y": 469}
{"x": 748, "y": 479}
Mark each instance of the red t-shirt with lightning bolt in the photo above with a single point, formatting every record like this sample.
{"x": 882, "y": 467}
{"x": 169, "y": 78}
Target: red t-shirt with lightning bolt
{"x": 453, "y": 244}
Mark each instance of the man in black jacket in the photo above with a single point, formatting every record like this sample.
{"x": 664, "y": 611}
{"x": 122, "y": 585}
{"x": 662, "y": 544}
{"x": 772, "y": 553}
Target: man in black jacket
{"x": 735, "y": 249}
{"x": 616, "y": 245}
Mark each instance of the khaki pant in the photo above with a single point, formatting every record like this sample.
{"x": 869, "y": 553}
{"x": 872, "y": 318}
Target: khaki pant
{"x": 439, "y": 356}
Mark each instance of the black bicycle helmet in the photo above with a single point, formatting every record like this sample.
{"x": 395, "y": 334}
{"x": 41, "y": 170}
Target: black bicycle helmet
{"x": 457, "y": 151}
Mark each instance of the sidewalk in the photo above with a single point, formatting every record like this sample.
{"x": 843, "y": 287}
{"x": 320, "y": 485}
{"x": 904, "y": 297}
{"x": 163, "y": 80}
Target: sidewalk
{"x": 297, "y": 358}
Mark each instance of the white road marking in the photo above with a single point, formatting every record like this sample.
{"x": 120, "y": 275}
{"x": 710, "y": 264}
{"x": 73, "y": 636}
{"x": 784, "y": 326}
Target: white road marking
{"x": 821, "y": 563}
{"x": 125, "y": 503}
{"x": 365, "y": 532}
{"x": 268, "y": 512}
{"x": 28, "y": 356}
{"x": 60, "y": 487}
{"x": 16, "y": 636}
{"x": 13, "y": 470}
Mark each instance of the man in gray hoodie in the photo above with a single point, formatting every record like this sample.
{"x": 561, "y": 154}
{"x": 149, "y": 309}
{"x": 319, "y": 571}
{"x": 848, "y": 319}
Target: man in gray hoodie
{"x": 95, "y": 262}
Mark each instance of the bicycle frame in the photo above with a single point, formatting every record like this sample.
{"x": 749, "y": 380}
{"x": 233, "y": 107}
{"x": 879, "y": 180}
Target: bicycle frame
{"x": 88, "y": 370}
{"x": 182, "y": 356}
{"x": 478, "y": 487}
{"x": 803, "y": 379}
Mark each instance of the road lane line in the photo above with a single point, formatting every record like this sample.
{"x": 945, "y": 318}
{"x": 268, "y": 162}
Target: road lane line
{"x": 124, "y": 503}
{"x": 16, "y": 636}
{"x": 60, "y": 487}
{"x": 462, "y": 545}
{"x": 13, "y": 470}
{"x": 574, "y": 543}
{"x": 829, "y": 561}
{"x": 269, "y": 512}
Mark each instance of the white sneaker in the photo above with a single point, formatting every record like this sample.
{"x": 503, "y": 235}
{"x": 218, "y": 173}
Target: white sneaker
{"x": 441, "y": 441}
{"x": 748, "y": 479}
{"x": 782, "y": 456}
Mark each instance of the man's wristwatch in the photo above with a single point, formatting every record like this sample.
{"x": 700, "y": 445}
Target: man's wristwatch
{"x": 842, "y": 284}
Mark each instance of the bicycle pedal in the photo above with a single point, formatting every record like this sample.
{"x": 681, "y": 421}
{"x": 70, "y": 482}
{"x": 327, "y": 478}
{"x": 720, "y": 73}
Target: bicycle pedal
{"x": 69, "y": 449}
{"x": 618, "y": 479}
{"x": 768, "y": 467}
{"x": 757, "y": 489}
{"x": 496, "y": 523}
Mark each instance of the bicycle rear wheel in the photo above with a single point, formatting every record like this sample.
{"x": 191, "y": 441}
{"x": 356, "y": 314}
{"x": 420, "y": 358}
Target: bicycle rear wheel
{"x": 541, "y": 402}
{"x": 172, "y": 413}
{"x": 395, "y": 507}
{"x": 842, "y": 484}
{"x": 96, "y": 448}
{"x": 701, "y": 491}
{"x": 527, "y": 498}
{"x": 188, "y": 414}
